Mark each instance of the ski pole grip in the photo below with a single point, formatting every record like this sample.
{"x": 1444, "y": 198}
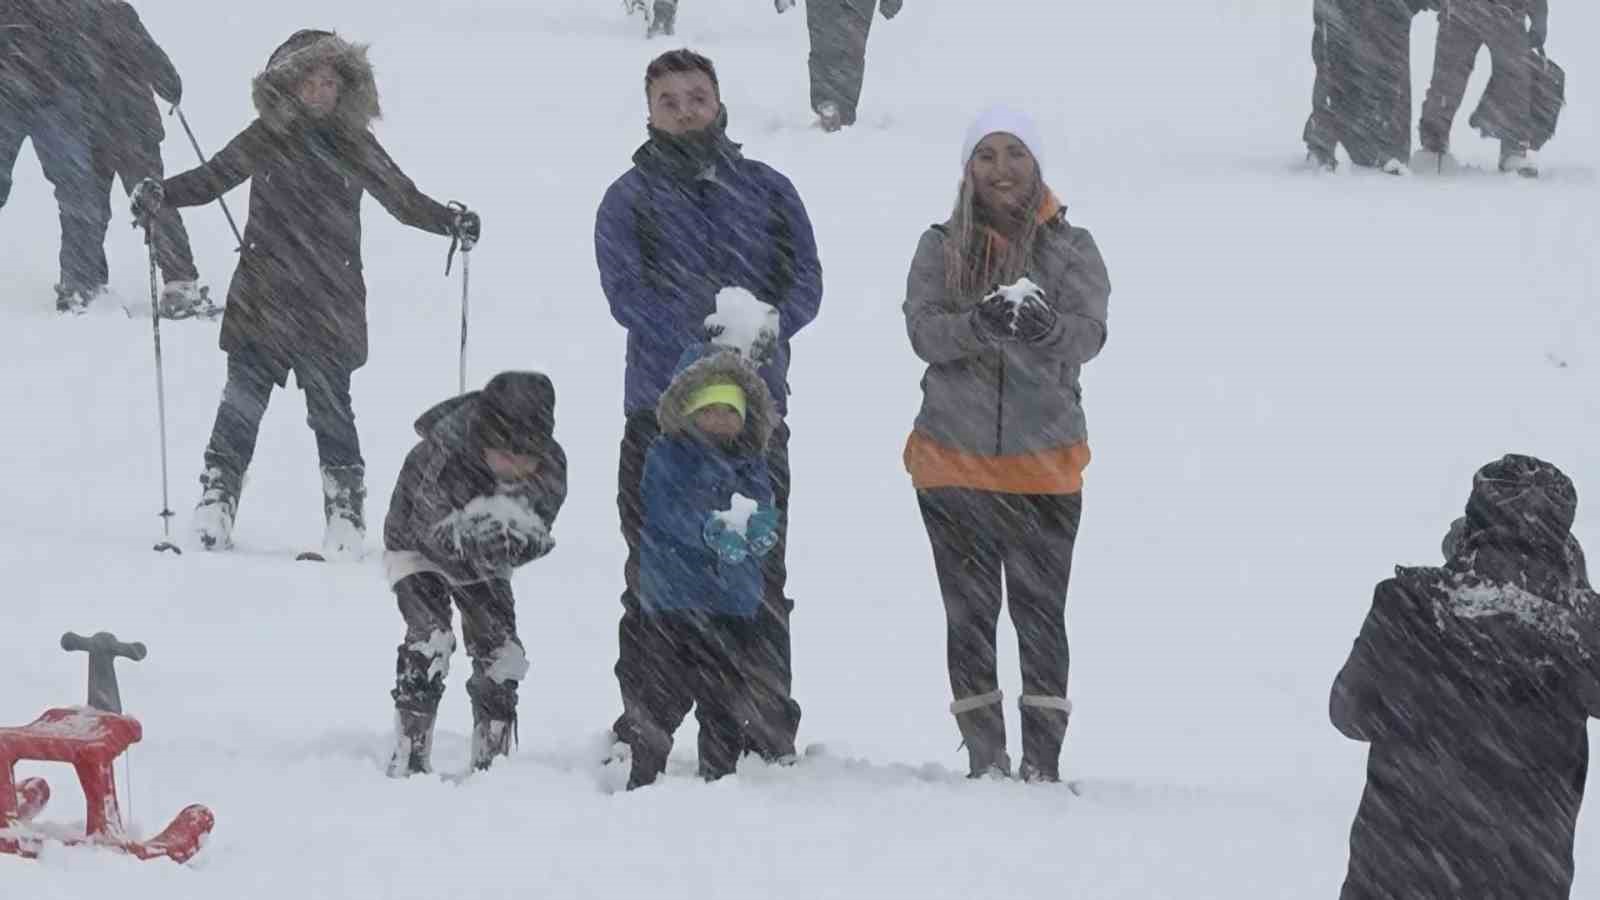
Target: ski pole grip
{"x": 103, "y": 644}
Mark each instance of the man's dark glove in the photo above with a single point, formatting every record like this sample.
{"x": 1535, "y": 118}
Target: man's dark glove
{"x": 890, "y": 8}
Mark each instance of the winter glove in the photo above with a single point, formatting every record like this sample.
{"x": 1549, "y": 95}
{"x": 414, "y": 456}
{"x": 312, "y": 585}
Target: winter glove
{"x": 148, "y": 196}
{"x": 782, "y": 5}
{"x": 488, "y": 544}
{"x": 992, "y": 319}
{"x": 466, "y": 227}
{"x": 762, "y": 531}
{"x": 1035, "y": 320}
{"x": 890, "y": 8}
{"x": 729, "y": 545}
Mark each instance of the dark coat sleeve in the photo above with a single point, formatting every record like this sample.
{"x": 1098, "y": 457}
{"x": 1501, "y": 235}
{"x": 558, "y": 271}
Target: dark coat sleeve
{"x": 224, "y": 172}
{"x": 382, "y": 178}
{"x": 804, "y": 301}
{"x": 147, "y": 57}
{"x": 1376, "y": 696}
{"x": 659, "y": 319}
{"x": 1081, "y": 303}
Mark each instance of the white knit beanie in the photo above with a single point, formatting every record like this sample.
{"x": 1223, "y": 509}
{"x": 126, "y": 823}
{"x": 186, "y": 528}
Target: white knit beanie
{"x": 1003, "y": 119}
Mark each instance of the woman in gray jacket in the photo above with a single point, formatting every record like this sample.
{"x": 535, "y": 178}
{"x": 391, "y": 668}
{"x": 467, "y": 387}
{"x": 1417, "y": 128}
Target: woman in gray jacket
{"x": 1005, "y": 302}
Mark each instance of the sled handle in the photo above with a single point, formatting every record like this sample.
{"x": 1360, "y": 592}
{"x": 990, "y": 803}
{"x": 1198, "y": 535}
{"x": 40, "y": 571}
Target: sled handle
{"x": 103, "y": 644}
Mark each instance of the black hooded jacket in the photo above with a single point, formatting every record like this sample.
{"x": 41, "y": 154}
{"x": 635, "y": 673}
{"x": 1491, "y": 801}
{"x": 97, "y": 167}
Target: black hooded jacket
{"x": 1473, "y": 683}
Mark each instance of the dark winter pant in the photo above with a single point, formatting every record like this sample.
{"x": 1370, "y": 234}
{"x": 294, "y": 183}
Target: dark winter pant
{"x": 60, "y": 134}
{"x": 1506, "y": 111}
{"x": 695, "y": 660}
{"x": 838, "y": 61}
{"x": 244, "y": 404}
{"x": 1362, "y": 94}
{"x": 489, "y": 625}
{"x": 982, "y": 540}
{"x": 133, "y": 161}
{"x": 772, "y": 729}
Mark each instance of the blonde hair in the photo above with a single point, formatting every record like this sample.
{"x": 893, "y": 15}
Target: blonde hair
{"x": 969, "y": 270}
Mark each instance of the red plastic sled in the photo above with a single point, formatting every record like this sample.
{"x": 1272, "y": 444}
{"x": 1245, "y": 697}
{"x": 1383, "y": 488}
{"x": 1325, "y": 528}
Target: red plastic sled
{"x": 90, "y": 740}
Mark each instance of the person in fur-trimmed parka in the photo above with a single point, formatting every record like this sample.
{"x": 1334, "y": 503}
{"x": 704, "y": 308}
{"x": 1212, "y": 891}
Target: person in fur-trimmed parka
{"x": 298, "y": 299}
{"x": 700, "y": 573}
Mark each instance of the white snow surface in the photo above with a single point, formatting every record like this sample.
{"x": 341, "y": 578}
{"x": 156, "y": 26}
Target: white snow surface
{"x": 737, "y": 515}
{"x": 744, "y": 321}
{"x": 1301, "y": 376}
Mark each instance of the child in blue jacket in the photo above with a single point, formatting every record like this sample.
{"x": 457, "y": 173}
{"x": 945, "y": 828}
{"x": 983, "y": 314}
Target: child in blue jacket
{"x": 708, "y": 519}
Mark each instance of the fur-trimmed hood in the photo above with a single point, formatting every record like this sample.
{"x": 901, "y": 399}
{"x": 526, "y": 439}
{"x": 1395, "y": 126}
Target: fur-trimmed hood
{"x": 710, "y": 363}
{"x": 273, "y": 90}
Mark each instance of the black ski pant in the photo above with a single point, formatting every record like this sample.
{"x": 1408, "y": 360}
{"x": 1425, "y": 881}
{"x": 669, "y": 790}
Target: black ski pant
{"x": 773, "y": 727}
{"x": 982, "y": 541}
{"x": 838, "y": 61}
{"x": 699, "y": 660}
{"x": 489, "y": 627}
{"x": 134, "y": 160}
{"x": 244, "y": 404}
{"x": 1506, "y": 111}
{"x": 1362, "y": 94}
{"x": 61, "y": 139}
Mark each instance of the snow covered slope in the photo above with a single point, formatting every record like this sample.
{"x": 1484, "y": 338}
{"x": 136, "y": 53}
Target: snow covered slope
{"x": 1302, "y": 373}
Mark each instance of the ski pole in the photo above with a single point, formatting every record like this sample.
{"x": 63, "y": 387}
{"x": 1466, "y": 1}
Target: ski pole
{"x": 465, "y": 244}
{"x": 166, "y": 543}
{"x": 198, "y": 152}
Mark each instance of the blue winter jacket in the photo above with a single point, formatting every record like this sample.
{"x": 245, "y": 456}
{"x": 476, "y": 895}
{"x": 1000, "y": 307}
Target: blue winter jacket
{"x": 666, "y": 244}
{"x": 686, "y": 479}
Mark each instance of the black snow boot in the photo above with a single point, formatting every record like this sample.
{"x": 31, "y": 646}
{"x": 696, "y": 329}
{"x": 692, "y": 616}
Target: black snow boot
{"x": 344, "y": 500}
{"x": 413, "y": 744}
{"x": 490, "y": 738}
{"x": 1044, "y": 729}
{"x": 982, "y": 721}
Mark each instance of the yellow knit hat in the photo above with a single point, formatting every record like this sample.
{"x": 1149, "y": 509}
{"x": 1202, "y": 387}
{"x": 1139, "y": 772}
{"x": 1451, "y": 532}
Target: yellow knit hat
{"x": 723, "y": 392}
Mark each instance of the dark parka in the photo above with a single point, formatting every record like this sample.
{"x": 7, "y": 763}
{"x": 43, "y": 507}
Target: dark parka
{"x": 446, "y": 471}
{"x": 134, "y": 66}
{"x": 1473, "y": 683}
{"x": 298, "y": 296}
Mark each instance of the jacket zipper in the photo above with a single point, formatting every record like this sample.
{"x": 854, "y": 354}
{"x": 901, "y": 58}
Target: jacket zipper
{"x": 1000, "y": 412}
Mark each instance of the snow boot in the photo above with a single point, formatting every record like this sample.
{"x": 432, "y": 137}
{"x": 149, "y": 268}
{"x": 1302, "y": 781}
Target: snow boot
{"x": 829, "y": 118}
{"x": 344, "y": 498}
{"x": 1044, "y": 729}
{"x": 213, "y": 516}
{"x": 662, "y": 20}
{"x": 1519, "y": 158}
{"x": 490, "y": 738}
{"x": 69, "y": 301}
{"x": 413, "y": 744}
{"x": 187, "y": 300}
{"x": 1321, "y": 159}
{"x": 982, "y": 721}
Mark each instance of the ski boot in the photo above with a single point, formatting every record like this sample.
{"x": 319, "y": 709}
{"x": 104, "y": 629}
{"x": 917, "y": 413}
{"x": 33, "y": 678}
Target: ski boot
{"x": 1519, "y": 158}
{"x": 344, "y": 496}
{"x": 213, "y": 516}
{"x": 413, "y": 744}
{"x": 1321, "y": 159}
{"x": 662, "y": 20}
{"x": 829, "y": 118}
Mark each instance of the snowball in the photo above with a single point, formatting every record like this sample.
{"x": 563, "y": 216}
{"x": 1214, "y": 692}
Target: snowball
{"x": 743, "y": 321}
{"x": 737, "y": 515}
{"x": 1022, "y": 291}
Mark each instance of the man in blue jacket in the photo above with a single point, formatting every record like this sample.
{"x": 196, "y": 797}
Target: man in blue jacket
{"x": 691, "y": 218}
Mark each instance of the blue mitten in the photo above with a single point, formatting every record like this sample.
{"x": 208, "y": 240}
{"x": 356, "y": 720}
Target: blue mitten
{"x": 763, "y": 531}
{"x": 729, "y": 545}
